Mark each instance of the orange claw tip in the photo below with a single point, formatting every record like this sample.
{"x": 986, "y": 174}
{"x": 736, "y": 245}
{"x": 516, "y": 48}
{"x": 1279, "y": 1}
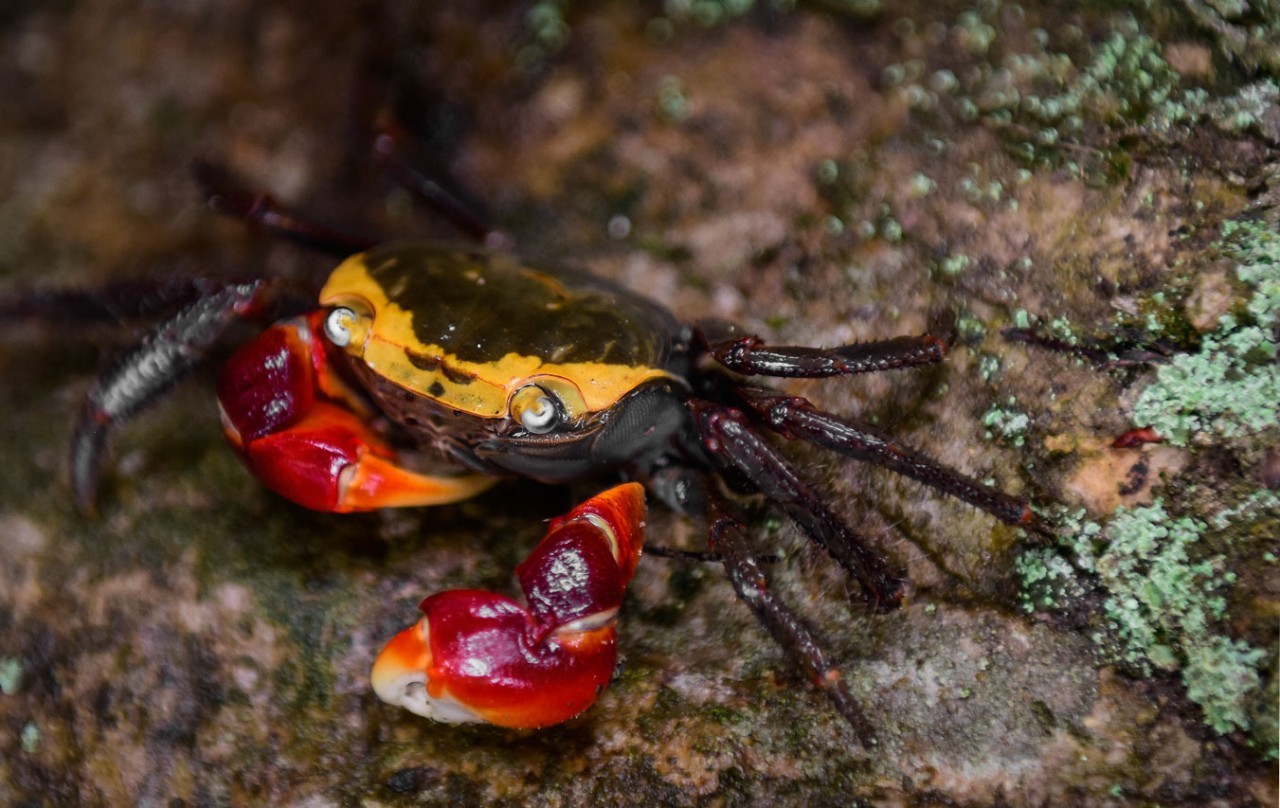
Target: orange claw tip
{"x": 376, "y": 482}
{"x": 400, "y": 678}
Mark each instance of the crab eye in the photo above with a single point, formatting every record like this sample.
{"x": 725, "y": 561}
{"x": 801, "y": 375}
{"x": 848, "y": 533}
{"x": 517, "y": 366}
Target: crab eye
{"x": 339, "y": 326}
{"x": 536, "y": 409}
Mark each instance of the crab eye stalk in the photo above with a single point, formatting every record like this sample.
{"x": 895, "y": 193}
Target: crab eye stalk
{"x": 536, "y": 409}
{"x": 340, "y": 326}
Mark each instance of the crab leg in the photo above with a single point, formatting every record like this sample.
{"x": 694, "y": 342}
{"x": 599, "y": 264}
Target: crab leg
{"x": 386, "y": 146}
{"x": 728, "y": 437}
{"x": 750, "y": 356}
{"x": 141, "y": 376}
{"x": 478, "y": 656}
{"x": 791, "y": 633}
{"x": 121, "y": 303}
{"x": 227, "y": 195}
{"x": 795, "y": 417}
{"x": 305, "y": 434}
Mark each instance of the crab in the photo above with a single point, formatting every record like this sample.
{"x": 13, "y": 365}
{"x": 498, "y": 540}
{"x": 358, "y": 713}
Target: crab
{"x": 504, "y": 368}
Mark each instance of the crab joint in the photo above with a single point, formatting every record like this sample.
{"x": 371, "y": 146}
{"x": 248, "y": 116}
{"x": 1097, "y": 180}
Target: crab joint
{"x": 478, "y": 656}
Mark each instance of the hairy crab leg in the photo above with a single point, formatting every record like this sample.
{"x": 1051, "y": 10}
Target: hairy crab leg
{"x": 127, "y": 303}
{"x": 303, "y": 432}
{"x": 478, "y": 656}
{"x": 229, "y": 196}
{"x": 729, "y": 438}
{"x": 796, "y": 418}
{"x": 750, "y": 356}
{"x": 141, "y": 376}
{"x": 787, "y": 629}
{"x": 386, "y": 147}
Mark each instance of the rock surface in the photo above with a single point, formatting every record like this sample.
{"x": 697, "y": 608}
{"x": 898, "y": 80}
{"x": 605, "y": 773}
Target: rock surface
{"x": 821, "y": 175}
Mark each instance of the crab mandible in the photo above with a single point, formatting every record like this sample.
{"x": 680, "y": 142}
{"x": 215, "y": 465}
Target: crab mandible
{"x": 508, "y": 369}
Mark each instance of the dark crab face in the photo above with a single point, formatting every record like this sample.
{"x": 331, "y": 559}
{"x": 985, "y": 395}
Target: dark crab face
{"x": 551, "y": 374}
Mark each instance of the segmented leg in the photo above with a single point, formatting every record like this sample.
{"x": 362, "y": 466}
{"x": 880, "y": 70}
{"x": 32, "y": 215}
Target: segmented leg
{"x": 302, "y": 431}
{"x": 386, "y": 147}
{"x": 750, "y": 356}
{"x": 786, "y": 628}
{"x": 797, "y": 418}
{"x": 1103, "y": 353}
{"x": 229, "y": 196}
{"x": 141, "y": 376}
{"x": 730, "y": 440}
{"x": 115, "y": 304}
{"x": 482, "y": 657}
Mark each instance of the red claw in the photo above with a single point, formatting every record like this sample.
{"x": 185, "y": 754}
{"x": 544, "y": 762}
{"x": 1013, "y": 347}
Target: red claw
{"x": 298, "y": 428}
{"x": 479, "y": 656}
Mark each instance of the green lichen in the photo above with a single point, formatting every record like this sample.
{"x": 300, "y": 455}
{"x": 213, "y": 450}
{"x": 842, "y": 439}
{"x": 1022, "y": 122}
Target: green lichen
{"x": 1049, "y": 581}
{"x": 1163, "y": 603}
{"x": 1159, "y": 596}
{"x": 672, "y": 105}
{"x": 1122, "y": 79}
{"x": 546, "y": 22}
{"x": 1249, "y": 32}
{"x": 1222, "y": 390}
{"x": 10, "y": 675}
{"x": 1052, "y": 89}
{"x": 1251, "y": 507}
{"x": 1006, "y": 423}
{"x": 1219, "y": 676}
{"x": 1253, "y": 108}
{"x": 1257, "y": 249}
{"x": 920, "y": 185}
{"x": 710, "y": 13}
{"x": 1060, "y": 328}
{"x": 1229, "y": 388}
{"x": 969, "y": 329}
{"x": 1164, "y": 596}
{"x": 890, "y": 229}
{"x": 30, "y": 738}
{"x": 988, "y": 367}
{"x": 548, "y": 32}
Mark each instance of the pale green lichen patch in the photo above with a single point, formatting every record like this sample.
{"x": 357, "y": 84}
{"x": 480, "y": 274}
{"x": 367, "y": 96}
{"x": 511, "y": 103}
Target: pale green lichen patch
{"x": 1006, "y": 423}
{"x": 1229, "y": 388}
{"x": 1253, "y": 108}
{"x": 1164, "y": 603}
{"x": 1052, "y": 89}
{"x": 30, "y": 738}
{"x": 1251, "y": 507}
{"x": 1049, "y": 581}
{"x": 1220, "y": 675}
{"x": 1257, "y": 248}
{"x": 10, "y": 675}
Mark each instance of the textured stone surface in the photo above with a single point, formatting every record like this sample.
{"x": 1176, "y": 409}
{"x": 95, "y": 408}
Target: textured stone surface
{"x": 818, "y": 176}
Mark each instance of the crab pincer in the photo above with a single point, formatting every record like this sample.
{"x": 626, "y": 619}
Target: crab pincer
{"x": 478, "y": 656}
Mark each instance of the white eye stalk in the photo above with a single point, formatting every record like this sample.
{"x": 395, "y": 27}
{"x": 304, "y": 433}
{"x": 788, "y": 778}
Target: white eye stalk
{"x": 541, "y": 416}
{"x": 536, "y": 409}
{"x": 339, "y": 325}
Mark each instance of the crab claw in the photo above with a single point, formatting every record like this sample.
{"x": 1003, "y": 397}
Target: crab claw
{"x": 481, "y": 657}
